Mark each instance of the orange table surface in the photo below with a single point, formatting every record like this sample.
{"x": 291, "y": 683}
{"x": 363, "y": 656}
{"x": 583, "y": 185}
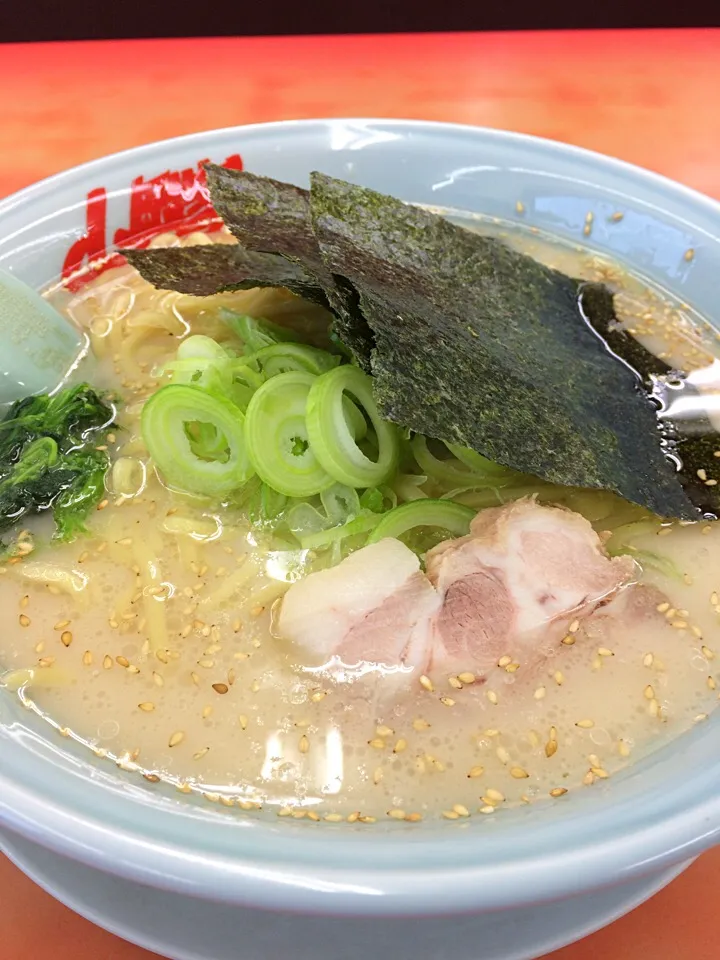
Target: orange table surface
{"x": 650, "y": 97}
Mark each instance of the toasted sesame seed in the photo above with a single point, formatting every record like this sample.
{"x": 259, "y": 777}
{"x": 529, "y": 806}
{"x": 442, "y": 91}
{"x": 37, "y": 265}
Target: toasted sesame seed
{"x": 605, "y": 652}
{"x": 102, "y": 504}
{"x": 413, "y": 817}
{"x": 377, "y": 775}
{"x": 495, "y": 795}
{"x": 540, "y": 693}
{"x": 678, "y": 624}
{"x": 304, "y": 745}
{"x": 400, "y": 745}
{"x": 504, "y": 661}
{"x": 46, "y": 661}
{"x": 396, "y": 814}
{"x": 87, "y": 658}
{"x": 512, "y": 667}
{"x": 574, "y": 626}
{"x": 492, "y": 732}
{"x": 107, "y": 662}
{"x": 520, "y": 207}
{"x": 146, "y": 706}
{"x": 220, "y": 688}
{"x": 455, "y": 683}
{"x": 466, "y": 677}
{"x": 333, "y": 817}
{"x": 649, "y": 692}
{"x": 317, "y": 695}
{"x": 475, "y": 772}
{"x": 689, "y": 254}
{"x": 654, "y": 708}
{"x": 617, "y": 217}
{"x": 519, "y": 773}
{"x": 24, "y": 620}
{"x": 61, "y": 624}
{"x": 206, "y": 712}
{"x": 589, "y": 779}
{"x": 708, "y": 653}
{"x": 558, "y": 792}
{"x": 420, "y": 724}
{"x": 600, "y": 773}
{"x": 461, "y": 810}
{"x": 648, "y": 660}
{"x": 623, "y": 748}
{"x": 447, "y": 701}
{"x": 243, "y": 721}
{"x": 384, "y": 731}
{"x": 568, "y": 640}
{"x": 700, "y": 717}
{"x": 426, "y": 683}
{"x": 122, "y": 661}
{"x": 585, "y": 724}
{"x": 502, "y": 755}
{"x": 662, "y": 607}
{"x": 162, "y": 656}
{"x": 377, "y": 743}
{"x": 66, "y": 638}
{"x": 176, "y": 738}
{"x": 206, "y": 664}
{"x": 711, "y": 683}
{"x": 492, "y": 696}
{"x": 559, "y": 678}
{"x": 696, "y": 631}
{"x": 449, "y": 815}
{"x": 488, "y": 808}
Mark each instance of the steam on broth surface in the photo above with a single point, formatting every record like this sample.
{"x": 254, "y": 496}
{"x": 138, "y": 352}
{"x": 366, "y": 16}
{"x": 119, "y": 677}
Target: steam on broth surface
{"x": 155, "y": 638}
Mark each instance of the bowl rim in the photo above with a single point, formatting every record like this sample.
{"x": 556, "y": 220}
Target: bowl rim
{"x": 336, "y": 888}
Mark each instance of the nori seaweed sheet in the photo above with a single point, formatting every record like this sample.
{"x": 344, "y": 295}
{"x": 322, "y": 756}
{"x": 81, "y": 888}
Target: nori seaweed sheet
{"x": 485, "y": 347}
{"x": 217, "y": 268}
{"x": 273, "y": 217}
{"x": 694, "y": 449}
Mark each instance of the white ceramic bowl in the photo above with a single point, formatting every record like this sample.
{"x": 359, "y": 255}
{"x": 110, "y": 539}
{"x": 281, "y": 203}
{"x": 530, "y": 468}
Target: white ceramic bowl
{"x": 186, "y": 879}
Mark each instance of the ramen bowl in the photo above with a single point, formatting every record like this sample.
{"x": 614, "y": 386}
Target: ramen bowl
{"x": 192, "y": 881}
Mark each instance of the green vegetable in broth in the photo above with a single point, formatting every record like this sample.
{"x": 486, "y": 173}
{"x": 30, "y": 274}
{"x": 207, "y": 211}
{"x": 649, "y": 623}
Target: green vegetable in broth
{"x": 452, "y": 518}
{"x": 49, "y": 460}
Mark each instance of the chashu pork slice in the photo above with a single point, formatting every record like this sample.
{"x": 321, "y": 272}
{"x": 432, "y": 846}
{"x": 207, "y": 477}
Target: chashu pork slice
{"x": 517, "y": 583}
{"x": 375, "y": 606}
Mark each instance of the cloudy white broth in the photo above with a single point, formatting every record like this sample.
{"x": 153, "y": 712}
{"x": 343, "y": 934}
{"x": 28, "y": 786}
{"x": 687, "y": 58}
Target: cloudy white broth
{"x": 173, "y": 637}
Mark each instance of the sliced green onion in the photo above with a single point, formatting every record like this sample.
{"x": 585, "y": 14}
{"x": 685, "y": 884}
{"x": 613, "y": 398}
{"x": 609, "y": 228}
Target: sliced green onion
{"x": 330, "y": 434}
{"x": 408, "y": 486}
{"x": 341, "y": 503}
{"x": 452, "y": 470}
{"x": 379, "y": 499}
{"x": 278, "y": 437}
{"x": 255, "y": 332}
{"x": 476, "y": 462}
{"x": 325, "y": 538}
{"x": 303, "y": 519}
{"x": 453, "y": 517}
{"x": 283, "y": 357}
{"x": 199, "y": 346}
{"x": 166, "y": 418}
{"x": 267, "y": 505}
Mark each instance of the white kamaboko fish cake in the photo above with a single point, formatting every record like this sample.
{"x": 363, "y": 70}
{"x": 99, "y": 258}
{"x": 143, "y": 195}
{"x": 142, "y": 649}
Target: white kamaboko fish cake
{"x": 513, "y": 587}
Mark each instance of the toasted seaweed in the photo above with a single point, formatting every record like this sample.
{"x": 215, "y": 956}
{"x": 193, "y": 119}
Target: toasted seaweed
{"x": 693, "y": 442}
{"x": 273, "y": 217}
{"x": 218, "y": 268}
{"x": 480, "y": 345}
